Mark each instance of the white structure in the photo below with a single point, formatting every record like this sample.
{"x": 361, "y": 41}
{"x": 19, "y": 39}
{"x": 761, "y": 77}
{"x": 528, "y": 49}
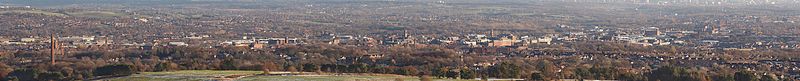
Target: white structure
{"x": 178, "y": 44}
{"x": 28, "y": 39}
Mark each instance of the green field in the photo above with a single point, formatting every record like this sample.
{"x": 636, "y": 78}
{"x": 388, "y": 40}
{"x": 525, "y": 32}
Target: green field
{"x": 34, "y": 12}
{"x": 230, "y": 75}
{"x": 185, "y": 75}
{"x": 95, "y": 14}
{"x": 203, "y": 72}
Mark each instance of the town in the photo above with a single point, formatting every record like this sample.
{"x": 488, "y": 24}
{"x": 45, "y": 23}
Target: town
{"x": 633, "y": 39}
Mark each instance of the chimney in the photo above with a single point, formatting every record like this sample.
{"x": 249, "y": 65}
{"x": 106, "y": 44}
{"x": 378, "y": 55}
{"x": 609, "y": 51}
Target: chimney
{"x": 54, "y": 47}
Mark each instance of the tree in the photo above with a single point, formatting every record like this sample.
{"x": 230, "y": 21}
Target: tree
{"x": 547, "y": 69}
{"x": 358, "y": 68}
{"x": 35, "y": 75}
{"x": 724, "y": 77}
{"x": 268, "y": 66}
{"x": 440, "y": 72}
{"x": 229, "y": 64}
{"x": 604, "y": 72}
{"x": 50, "y": 76}
{"x": 768, "y": 78}
{"x": 631, "y": 77}
{"x": 666, "y": 73}
{"x": 23, "y": 75}
{"x": 698, "y": 76}
{"x": 5, "y": 70}
{"x": 505, "y": 70}
{"x": 468, "y": 74}
{"x": 453, "y": 74}
{"x": 670, "y": 73}
{"x": 745, "y": 76}
{"x": 166, "y": 66}
{"x": 583, "y": 73}
{"x": 311, "y": 67}
{"x": 291, "y": 69}
{"x": 408, "y": 70}
{"x": 425, "y": 78}
{"x": 536, "y": 76}
{"x": 115, "y": 70}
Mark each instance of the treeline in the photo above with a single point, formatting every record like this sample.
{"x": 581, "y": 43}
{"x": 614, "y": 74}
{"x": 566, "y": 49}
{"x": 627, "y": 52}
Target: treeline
{"x": 434, "y": 61}
{"x": 26, "y": 74}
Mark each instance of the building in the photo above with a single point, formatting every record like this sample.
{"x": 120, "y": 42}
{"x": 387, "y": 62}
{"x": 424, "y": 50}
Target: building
{"x": 652, "y": 32}
{"x": 275, "y": 41}
{"x": 503, "y": 40}
{"x": 542, "y": 40}
{"x": 341, "y": 39}
{"x": 256, "y": 45}
{"x": 327, "y": 38}
{"x": 501, "y": 43}
{"x": 374, "y": 56}
{"x": 178, "y": 44}
{"x": 239, "y": 43}
{"x": 84, "y": 40}
{"x": 405, "y": 38}
{"x": 4, "y": 41}
{"x": 28, "y": 40}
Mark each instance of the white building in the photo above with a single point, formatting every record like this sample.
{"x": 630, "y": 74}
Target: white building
{"x": 178, "y": 44}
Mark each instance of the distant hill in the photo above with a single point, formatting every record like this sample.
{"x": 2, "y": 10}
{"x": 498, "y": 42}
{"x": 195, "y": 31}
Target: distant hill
{"x": 69, "y": 2}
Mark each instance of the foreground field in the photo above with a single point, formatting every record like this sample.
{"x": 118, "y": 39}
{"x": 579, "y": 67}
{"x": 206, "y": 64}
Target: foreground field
{"x": 230, "y": 75}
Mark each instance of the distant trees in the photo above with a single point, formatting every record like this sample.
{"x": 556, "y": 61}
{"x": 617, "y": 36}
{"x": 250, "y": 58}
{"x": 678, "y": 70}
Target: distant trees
{"x": 358, "y": 68}
{"x": 23, "y": 75}
{"x": 745, "y": 76}
{"x": 50, "y": 76}
{"x": 438, "y": 62}
{"x": 625, "y": 76}
{"x": 505, "y": 70}
{"x": 115, "y": 70}
{"x": 425, "y": 78}
{"x": 333, "y": 68}
{"x": 670, "y": 73}
{"x": 229, "y": 64}
{"x": 311, "y": 67}
{"x": 34, "y": 75}
{"x": 166, "y": 66}
{"x": 446, "y": 72}
{"x": 267, "y": 67}
{"x": 452, "y": 73}
{"x": 291, "y": 69}
{"x": 724, "y": 77}
{"x": 538, "y": 76}
{"x": 768, "y": 78}
{"x": 467, "y": 73}
{"x": 406, "y": 71}
{"x": 547, "y": 70}
{"x": 5, "y": 70}
{"x": 597, "y": 73}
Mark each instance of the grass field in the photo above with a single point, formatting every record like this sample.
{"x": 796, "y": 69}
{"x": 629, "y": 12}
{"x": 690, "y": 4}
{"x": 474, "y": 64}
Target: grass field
{"x": 340, "y": 78}
{"x": 34, "y": 12}
{"x": 95, "y": 14}
{"x": 98, "y": 14}
{"x": 203, "y": 72}
{"x": 185, "y": 75}
{"x": 213, "y": 75}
